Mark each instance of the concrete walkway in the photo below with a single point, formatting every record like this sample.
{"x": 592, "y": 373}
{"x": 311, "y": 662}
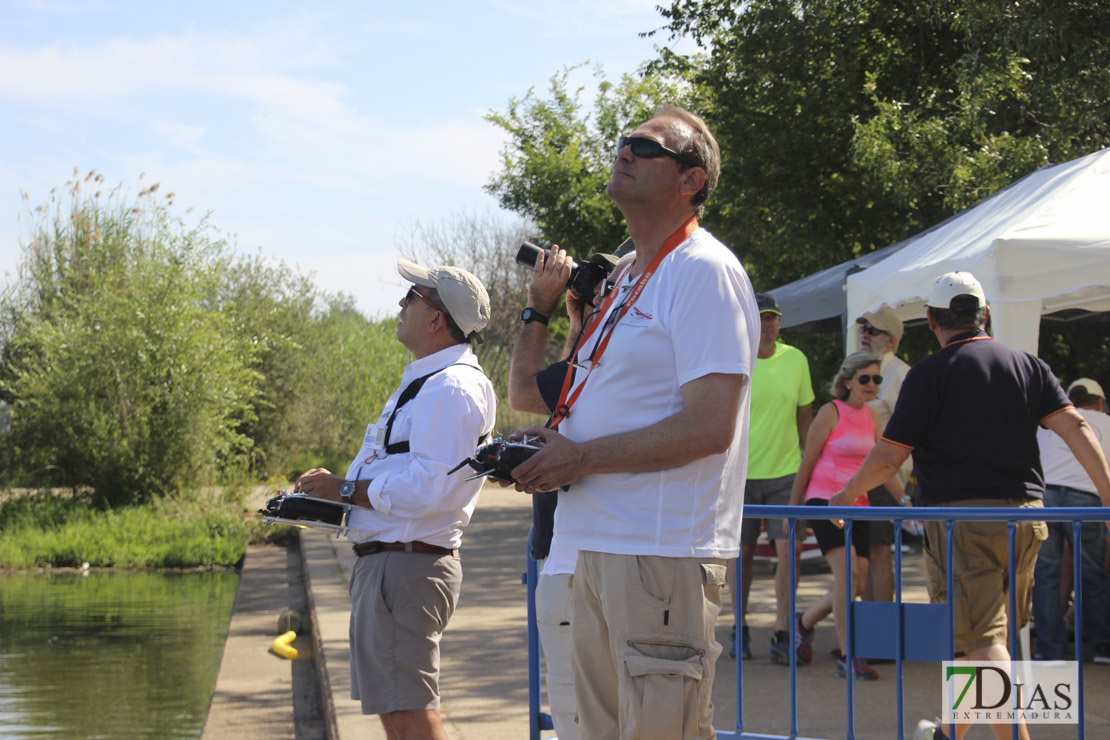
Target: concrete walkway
{"x": 483, "y": 671}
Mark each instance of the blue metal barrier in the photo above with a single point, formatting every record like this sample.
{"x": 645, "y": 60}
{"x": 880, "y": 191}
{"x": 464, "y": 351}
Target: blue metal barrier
{"x": 930, "y": 624}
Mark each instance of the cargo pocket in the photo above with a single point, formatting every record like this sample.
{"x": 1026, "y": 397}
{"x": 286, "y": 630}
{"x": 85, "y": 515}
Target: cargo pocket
{"x": 661, "y": 697}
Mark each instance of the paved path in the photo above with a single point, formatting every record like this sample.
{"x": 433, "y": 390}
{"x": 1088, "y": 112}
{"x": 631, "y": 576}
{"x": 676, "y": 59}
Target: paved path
{"x": 483, "y": 673}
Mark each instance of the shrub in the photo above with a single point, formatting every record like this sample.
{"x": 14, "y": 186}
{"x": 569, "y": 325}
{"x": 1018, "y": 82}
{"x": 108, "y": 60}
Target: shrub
{"x": 121, "y": 368}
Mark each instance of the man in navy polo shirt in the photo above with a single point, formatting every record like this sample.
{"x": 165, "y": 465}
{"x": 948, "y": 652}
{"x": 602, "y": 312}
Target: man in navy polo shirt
{"x": 969, "y": 414}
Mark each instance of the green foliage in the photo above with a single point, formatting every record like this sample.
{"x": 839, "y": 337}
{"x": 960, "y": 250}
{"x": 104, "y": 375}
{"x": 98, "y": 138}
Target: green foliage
{"x": 348, "y": 367}
{"x": 849, "y": 125}
{"x": 324, "y": 370}
{"x": 50, "y": 531}
{"x": 556, "y": 165}
{"x": 122, "y": 372}
{"x": 142, "y": 357}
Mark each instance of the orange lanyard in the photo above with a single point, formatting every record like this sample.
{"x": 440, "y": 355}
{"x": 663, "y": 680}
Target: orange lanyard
{"x": 566, "y": 398}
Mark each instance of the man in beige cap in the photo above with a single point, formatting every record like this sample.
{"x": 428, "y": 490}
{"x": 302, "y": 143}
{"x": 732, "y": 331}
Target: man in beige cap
{"x": 879, "y": 333}
{"x": 408, "y": 513}
{"x": 1067, "y": 484}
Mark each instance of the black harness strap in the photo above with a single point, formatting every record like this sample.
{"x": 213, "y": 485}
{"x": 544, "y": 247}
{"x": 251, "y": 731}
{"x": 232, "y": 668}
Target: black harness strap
{"x": 407, "y": 395}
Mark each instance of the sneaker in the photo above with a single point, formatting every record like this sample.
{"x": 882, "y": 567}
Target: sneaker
{"x": 803, "y": 642}
{"x": 779, "y": 652}
{"x": 745, "y": 643}
{"x": 860, "y": 670}
{"x": 1102, "y": 654}
{"x": 929, "y": 730}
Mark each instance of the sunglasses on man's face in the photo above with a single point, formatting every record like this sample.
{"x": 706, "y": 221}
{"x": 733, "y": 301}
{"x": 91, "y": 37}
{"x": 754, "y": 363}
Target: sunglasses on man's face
{"x": 872, "y": 331}
{"x": 866, "y": 379}
{"x": 414, "y": 294}
{"x": 646, "y": 148}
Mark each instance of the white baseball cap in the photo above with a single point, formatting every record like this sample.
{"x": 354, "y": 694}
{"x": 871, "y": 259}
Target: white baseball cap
{"x": 463, "y": 295}
{"x": 952, "y": 285}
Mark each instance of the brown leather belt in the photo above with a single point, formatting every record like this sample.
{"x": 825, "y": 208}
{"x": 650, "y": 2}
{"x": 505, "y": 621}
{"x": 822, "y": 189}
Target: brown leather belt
{"x": 372, "y": 547}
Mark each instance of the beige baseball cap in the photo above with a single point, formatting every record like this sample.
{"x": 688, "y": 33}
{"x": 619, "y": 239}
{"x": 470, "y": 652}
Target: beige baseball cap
{"x": 1091, "y": 386}
{"x": 884, "y": 320}
{"x": 462, "y": 294}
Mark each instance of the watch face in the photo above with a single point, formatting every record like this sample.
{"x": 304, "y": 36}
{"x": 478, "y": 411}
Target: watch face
{"x": 531, "y": 314}
{"x": 347, "y": 489}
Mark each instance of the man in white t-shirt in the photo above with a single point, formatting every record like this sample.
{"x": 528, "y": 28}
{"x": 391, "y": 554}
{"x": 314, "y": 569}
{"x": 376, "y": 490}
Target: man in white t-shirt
{"x": 879, "y": 333}
{"x": 1067, "y": 484}
{"x": 652, "y": 442}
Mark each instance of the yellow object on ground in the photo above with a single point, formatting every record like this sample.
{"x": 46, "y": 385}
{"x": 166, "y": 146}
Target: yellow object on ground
{"x": 282, "y": 646}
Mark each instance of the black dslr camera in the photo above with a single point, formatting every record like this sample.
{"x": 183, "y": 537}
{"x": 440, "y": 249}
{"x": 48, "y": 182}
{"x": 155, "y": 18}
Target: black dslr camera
{"x": 584, "y": 278}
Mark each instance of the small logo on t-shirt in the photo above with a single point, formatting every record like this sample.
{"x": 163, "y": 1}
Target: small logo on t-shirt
{"x": 636, "y": 317}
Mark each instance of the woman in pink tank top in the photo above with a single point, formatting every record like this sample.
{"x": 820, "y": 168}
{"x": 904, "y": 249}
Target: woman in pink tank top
{"x": 842, "y": 434}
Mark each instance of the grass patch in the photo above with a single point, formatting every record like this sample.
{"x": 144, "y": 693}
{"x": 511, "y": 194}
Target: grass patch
{"x": 46, "y": 530}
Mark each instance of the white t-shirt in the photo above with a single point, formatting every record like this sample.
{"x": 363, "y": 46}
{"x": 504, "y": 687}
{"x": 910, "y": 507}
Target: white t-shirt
{"x": 893, "y": 369}
{"x": 412, "y": 496}
{"x": 1060, "y": 466}
{"x": 696, "y": 316}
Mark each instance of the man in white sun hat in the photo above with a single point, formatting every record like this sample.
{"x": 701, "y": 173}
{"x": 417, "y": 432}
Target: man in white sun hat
{"x": 408, "y": 513}
{"x": 969, "y": 413}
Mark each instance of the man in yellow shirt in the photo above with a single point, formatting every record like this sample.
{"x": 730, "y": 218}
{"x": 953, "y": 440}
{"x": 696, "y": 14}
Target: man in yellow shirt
{"x": 782, "y": 397}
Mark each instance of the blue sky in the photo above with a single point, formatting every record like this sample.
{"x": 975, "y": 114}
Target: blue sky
{"x": 311, "y": 132}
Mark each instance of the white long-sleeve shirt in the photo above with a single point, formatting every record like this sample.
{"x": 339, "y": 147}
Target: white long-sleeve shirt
{"x": 411, "y": 495}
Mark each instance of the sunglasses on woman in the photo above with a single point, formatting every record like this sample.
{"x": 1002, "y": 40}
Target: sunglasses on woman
{"x": 646, "y": 148}
{"x": 865, "y": 379}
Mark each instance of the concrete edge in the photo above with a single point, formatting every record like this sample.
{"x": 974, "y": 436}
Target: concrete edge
{"x": 311, "y": 567}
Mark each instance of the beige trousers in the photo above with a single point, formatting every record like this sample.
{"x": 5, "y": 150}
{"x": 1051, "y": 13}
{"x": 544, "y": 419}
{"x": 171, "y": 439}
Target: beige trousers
{"x": 644, "y": 650}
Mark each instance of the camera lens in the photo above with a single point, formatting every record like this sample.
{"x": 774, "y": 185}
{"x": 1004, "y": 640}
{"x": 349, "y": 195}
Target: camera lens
{"x": 528, "y": 254}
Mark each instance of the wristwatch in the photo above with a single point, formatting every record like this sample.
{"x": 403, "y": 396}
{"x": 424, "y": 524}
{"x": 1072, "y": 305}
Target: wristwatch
{"x": 347, "y": 490}
{"x": 530, "y": 314}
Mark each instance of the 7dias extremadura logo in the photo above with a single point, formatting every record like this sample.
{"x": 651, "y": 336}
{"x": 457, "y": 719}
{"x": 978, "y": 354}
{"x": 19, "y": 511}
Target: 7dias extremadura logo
{"x": 999, "y": 692}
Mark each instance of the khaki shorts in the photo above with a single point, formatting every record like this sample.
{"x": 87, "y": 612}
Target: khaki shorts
{"x": 644, "y": 650}
{"x": 982, "y": 572}
{"x": 400, "y": 605}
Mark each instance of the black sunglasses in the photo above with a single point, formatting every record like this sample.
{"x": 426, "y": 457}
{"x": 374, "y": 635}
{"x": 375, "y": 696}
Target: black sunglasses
{"x": 865, "y": 379}
{"x": 650, "y": 149}
{"x": 872, "y": 331}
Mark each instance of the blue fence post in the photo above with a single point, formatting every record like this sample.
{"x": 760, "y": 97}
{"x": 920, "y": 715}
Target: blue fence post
{"x": 1077, "y": 608}
{"x": 537, "y": 720}
{"x": 849, "y": 643}
{"x": 792, "y": 584}
{"x": 899, "y": 626}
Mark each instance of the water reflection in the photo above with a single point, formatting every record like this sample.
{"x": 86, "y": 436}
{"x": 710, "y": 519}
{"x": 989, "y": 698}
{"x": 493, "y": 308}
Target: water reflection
{"x": 110, "y": 655}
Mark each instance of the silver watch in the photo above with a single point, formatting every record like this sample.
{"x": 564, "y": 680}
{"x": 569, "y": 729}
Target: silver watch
{"x": 347, "y": 490}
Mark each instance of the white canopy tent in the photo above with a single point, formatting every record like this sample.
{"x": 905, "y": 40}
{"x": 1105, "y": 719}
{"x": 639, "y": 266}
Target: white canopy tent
{"x": 1039, "y": 246}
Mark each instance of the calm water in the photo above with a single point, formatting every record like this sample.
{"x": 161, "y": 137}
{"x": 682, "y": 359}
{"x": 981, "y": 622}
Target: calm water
{"x": 110, "y": 655}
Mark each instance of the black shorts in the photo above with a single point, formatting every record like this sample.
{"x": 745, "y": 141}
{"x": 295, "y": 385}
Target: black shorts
{"x": 829, "y": 536}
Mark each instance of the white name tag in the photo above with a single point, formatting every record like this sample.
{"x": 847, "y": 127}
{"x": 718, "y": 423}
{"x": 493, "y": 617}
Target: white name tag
{"x": 375, "y": 437}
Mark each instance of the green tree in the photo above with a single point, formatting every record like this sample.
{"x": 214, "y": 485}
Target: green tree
{"x": 323, "y": 369}
{"x": 122, "y": 372}
{"x": 847, "y": 125}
